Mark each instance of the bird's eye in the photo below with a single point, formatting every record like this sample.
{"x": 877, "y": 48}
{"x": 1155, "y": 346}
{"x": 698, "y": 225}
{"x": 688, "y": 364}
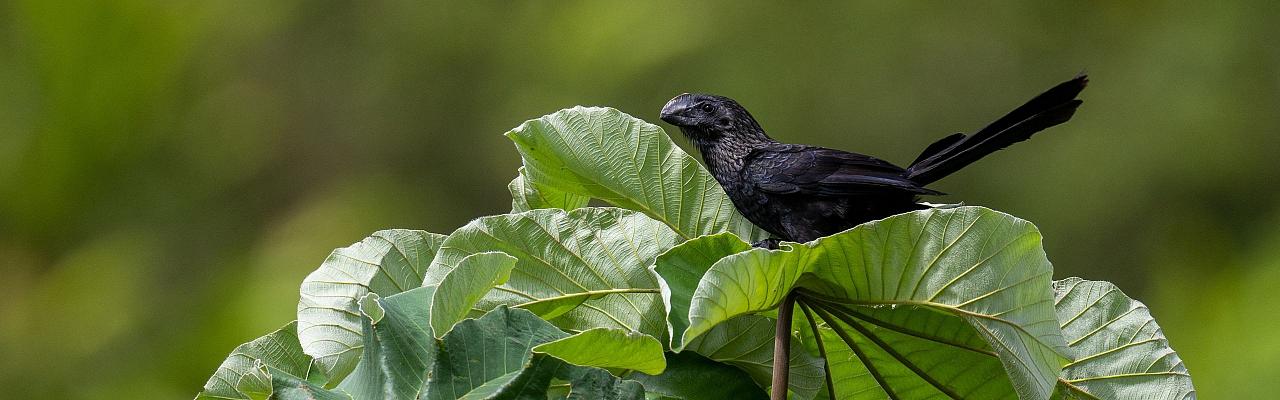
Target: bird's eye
{"x": 704, "y": 107}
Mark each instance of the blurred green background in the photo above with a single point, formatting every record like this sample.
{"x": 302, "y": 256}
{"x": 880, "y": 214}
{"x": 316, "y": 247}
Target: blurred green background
{"x": 171, "y": 170}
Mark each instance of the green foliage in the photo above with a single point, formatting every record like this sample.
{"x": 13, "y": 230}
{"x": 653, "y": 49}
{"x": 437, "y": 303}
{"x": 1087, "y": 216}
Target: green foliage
{"x": 245, "y": 373}
{"x": 525, "y": 197}
{"x": 580, "y": 269}
{"x": 982, "y": 267}
{"x": 691, "y": 376}
{"x": 398, "y": 346}
{"x": 474, "y": 276}
{"x": 386, "y": 263}
{"x": 683, "y": 266}
{"x": 664, "y": 298}
{"x": 1118, "y": 349}
{"x": 609, "y": 348}
{"x": 743, "y": 341}
{"x": 491, "y": 356}
{"x": 605, "y": 154}
{"x": 746, "y": 342}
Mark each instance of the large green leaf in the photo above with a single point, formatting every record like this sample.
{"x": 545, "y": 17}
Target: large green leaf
{"x": 984, "y": 268}
{"x": 399, "y": 348}
{"x": 609, "y": 348}
{"x": 245, "y": 374}
{"x": 289, "y": 387}
{"x": 491, "y": 358}
{"x": 691, "y": 376}
{"x": 683, "y": 266}
{"x": 257, "y": 382}
{"x": 910, "y": 353}
{"x": 329, "y": 320}
{"x": 459, "y": 291}
{"x": 598, "y": 384}
{"x": 606, "y": 154}
{"x": 581, "y": 269}
{"x": 483, "y": 357}
{"x": 744, "y": 341}
{"x": 527, "y": 196}
{"x": 1119, "y": 351}
{"x": 367, "y": 380}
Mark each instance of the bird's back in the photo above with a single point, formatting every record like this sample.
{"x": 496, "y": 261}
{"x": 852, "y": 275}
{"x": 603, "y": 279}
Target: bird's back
{"x": 801, "y": 192}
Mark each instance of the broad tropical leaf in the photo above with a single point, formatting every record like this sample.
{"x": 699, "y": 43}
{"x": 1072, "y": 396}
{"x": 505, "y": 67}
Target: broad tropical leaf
{"x": 526, "y": 196}
{"x": 491, "y": 358}
{"x": 983, "y": 267}
{"x": 399, "y": 348}
{"x": 1119, "y": 351}
{"x": 683, "y": 266}
{"x": 598, "y": 384}
{"x": 329, "y": 321}
{"x": 272, "y": 366}
{"x": 690, "y": 376}
{"x": 289, "y": 387}
{"x": 482, "y": 357}
{"x": 909, "y": 353}
{"x": 257, "y": 382}
{"x": 459, "y": 291}
{"x": 745, "y": 341}
{"x": 582, "y": 269}
{"x": 605, "y": 154}
{"x": 245, "y": 374}
{"x": 367, "y": 381}
{"x": 608, "y": 348}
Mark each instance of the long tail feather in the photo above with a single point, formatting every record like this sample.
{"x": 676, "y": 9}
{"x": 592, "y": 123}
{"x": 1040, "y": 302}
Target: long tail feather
{"x": 954, "y": 152}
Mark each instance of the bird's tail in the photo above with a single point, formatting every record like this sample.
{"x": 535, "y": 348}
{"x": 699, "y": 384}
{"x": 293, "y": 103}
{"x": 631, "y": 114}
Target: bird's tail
{"x": 954, "y": 152}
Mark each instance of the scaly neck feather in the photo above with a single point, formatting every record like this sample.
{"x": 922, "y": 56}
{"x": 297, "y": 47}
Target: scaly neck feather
{"x": 724, "y": 153}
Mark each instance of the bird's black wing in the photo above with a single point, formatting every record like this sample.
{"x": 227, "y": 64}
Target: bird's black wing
{"x": 793, "y": 168}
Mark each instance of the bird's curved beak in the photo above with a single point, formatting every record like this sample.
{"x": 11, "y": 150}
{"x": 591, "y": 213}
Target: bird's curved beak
{"x": 673, "y": 112}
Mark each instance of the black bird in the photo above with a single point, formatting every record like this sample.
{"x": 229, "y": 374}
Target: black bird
{"x": 800, "y": 193}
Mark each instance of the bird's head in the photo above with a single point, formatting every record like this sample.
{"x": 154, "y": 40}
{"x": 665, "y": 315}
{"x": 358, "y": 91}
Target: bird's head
{"x": 707, "y": 117}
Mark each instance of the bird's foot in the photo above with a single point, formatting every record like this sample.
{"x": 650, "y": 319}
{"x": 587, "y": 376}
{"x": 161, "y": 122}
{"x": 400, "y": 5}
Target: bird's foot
{"x": 770, "y": 243}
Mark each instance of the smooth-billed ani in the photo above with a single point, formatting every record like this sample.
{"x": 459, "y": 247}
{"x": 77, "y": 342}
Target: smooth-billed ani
{"x": 800, "y": 193}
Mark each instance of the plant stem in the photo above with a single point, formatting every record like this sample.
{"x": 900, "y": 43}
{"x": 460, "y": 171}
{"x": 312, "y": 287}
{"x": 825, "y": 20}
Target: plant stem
{"x": 782, "y": 348}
